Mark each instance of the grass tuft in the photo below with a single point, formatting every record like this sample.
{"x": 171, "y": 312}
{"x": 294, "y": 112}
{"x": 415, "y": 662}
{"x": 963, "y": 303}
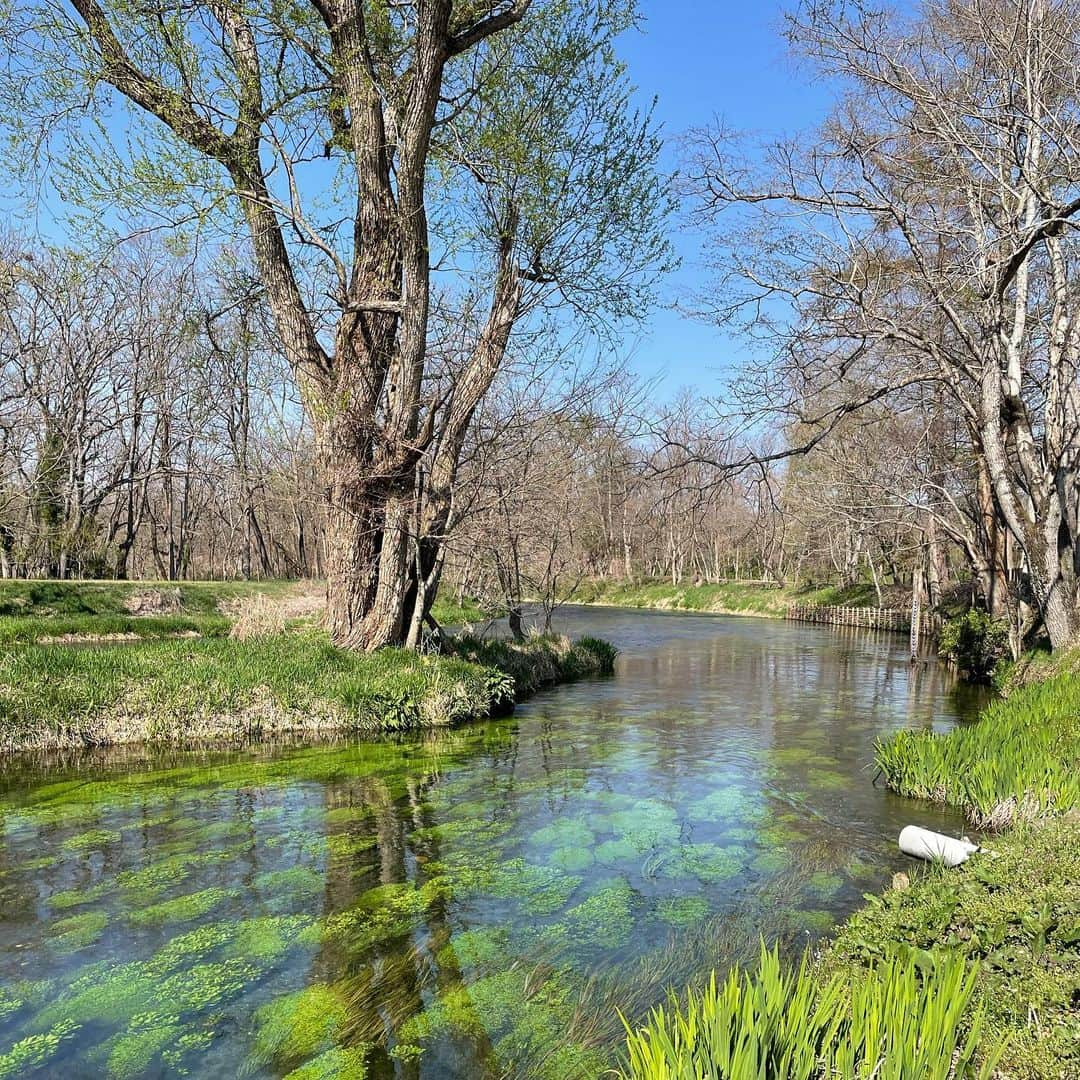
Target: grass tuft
{"x": 1020, "y": 761}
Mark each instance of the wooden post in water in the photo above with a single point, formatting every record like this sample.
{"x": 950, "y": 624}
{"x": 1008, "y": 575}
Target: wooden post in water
{"x": 916, "y": 612}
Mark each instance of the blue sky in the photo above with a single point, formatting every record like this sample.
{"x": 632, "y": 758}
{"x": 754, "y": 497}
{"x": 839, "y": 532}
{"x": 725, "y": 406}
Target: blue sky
{"x": 704, "y": 60}
{"x": 701, "y": 59}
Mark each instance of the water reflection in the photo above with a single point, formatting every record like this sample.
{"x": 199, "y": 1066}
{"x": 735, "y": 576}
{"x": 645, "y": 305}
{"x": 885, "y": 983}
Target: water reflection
{"x": 468, "y": 905}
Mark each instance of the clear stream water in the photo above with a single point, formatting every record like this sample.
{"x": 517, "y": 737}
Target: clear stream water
{"x": 471, "y": 904}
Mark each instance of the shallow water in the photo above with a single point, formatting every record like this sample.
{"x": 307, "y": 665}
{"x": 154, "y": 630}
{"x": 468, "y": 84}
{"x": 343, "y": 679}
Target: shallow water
{"x": 470, "y": 905}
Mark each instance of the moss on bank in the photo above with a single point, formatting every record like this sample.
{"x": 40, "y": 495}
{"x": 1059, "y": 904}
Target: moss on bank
{"x": 211, "y": 689}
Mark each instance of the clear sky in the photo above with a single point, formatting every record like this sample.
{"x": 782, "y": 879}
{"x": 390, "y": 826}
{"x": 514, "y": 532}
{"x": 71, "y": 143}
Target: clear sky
{"x": 703, "y": 60}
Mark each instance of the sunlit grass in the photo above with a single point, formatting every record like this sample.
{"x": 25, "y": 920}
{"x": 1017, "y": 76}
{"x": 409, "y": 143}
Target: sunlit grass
{"x": 175, "y": 691}
{"x": 1021, "y": 759}
{"x": 898, "y": 1021}
{"x": 731, "y": 596}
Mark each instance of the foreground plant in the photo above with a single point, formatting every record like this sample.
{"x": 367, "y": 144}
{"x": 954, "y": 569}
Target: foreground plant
{"x": 898, "y": 1022}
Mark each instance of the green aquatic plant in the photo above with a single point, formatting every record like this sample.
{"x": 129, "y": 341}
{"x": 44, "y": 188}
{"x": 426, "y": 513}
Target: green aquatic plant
{"x": 182, "y": 908}
{"x": 286, "y": 889}
{"x": 561, "y": 834}
{"x": 825, "y": 884}
{"x": 611, "y": 852}
{"x": 131, "y": 1053}
{"x": 36, "y": 1051}
{"x": 605, "y": 920}
{"x": 92, "y": 839}
{"x": 70, "y": 898}
{"x": 647, "y": 824}
{"x": 771, "y": 862}
{"x": 297, "y": 1026}
{"x": 336, "y": 1064}
{"x": 521, "y": 1017}
{"x": 682, "y": 911}
{"x": 205, "y": 986}
{"x": 476, "y": 948}
{"x": 708, "y": 863}
{"x": 724, "y": 804}
{"x": 571, "y": 858}
{"x": 268, "y": 938}
{"x": 381, "y": 915}
{"x": 895, "y": 1023}
{"x": 78, "y": 931}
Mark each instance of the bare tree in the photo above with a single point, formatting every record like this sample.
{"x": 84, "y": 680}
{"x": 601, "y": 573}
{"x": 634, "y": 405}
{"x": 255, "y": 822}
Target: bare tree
{"x": 926, "y": 237}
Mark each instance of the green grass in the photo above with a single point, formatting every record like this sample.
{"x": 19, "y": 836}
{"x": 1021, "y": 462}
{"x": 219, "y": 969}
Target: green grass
{"x": 447, "y": 611}
{"x": 86, "y": 598}
{"x": 1020, "y": 760}
{"x": 731, "y": 597}
{"x": 897, "y": 1020}
{"x": 28, "y": 629}
{"x": 182, "y": 691}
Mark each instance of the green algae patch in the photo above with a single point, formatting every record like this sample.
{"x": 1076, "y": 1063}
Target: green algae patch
{"x": 562, "y": 834}
{"x": 78, "y": 931}
{"x": 337, "y": 1064}
{"x": 382, "y": 915}
{"x": 824, "y": 884}
{"x": 36, "y": 1051}
{"x": 289, "y": 888}
{"x": 571, "y": 858}
{"x": 476, "y": 948}
{"x": 647, "y": 824}
{"x": 682, "y": 911}
{"x": 131, "y": 1054}
{"x": 771, "y": 862}
{"x": 183, "y": 908}
{"x": 92, "y": 840}
{"x": 523, "y": 1023}
{"x": 727, "y": 804}
{"x": 611, "y": 852}
{"x": 269, "y": 938}
{"x": 299, "y": 1025}
{"x": 71, "y": 898}
{"x": 708, "y": 863}
{"x": 605, "y": 919}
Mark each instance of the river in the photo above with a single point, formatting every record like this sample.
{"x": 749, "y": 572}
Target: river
{"x": 470, "y": 904}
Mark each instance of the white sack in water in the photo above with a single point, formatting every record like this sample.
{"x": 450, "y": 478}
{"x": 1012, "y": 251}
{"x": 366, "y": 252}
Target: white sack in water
{"x": 924, "y": 844}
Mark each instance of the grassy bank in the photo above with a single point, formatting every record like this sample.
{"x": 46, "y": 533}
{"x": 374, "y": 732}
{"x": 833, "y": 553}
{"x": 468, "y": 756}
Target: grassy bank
{"x": 58, "y": 611}
{"x": 966, "y": 972}
{"x": 726, "y": 598}
{"x": 221, "y": 689}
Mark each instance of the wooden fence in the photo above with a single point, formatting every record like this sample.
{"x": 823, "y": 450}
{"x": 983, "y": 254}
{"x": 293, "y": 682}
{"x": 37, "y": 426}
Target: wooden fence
{"x": 837, "y": 615}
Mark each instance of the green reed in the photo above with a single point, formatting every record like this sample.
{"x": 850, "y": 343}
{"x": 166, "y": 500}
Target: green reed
{"x": 896, "y": 1022}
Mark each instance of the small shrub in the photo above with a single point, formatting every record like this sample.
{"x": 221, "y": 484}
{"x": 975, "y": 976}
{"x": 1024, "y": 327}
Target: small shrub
{"x": 976, "y": 643}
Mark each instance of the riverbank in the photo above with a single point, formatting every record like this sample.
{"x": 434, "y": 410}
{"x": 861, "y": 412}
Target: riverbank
{"x": 1000, "y": 935}
{"x": 729, "y": 597}
{"x": 225, "y": 690}
{"x": 87, "y": 612}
